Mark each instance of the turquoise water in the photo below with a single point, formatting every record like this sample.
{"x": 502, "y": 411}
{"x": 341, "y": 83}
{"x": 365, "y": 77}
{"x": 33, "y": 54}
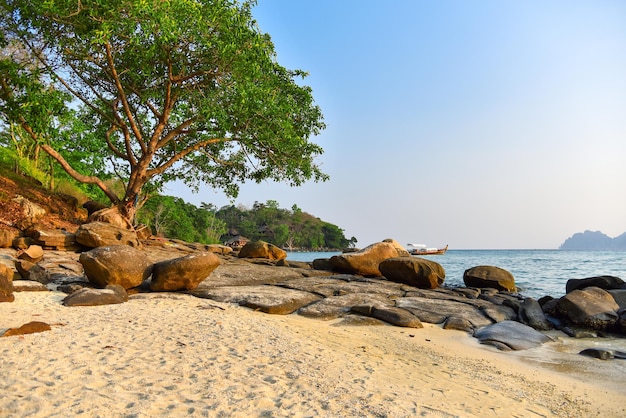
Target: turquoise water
{"x": 537, "y": 272}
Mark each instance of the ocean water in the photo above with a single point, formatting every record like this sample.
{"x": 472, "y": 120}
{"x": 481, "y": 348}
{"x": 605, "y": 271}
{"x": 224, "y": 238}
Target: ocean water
{"x": 537, "y": 272}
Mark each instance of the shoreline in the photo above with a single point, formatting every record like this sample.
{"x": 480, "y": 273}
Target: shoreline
{"x": 168, "y": 354}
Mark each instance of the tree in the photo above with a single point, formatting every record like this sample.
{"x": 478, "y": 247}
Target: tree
{"x": 180, "y": 90}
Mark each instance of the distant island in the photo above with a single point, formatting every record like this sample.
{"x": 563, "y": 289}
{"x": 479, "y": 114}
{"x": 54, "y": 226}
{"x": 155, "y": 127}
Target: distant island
{"x": 594, "y": 240}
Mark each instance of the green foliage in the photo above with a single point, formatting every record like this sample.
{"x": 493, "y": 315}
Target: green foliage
{"x": 172, "y": 217}
{"x": 293, "y": 229}
{"x": 169, "y": 90}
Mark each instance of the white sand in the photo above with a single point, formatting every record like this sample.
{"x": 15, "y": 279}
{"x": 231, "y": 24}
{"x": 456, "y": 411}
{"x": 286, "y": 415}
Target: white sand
{"x": 176, "y": 355}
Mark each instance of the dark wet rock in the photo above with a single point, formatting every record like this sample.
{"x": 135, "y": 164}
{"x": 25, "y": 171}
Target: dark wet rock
{"x": 366, "y": 261}
{"x": 6, "y": 284}
{"x": 28, "y": 328}
{"x": 268, "y": 299}
{"x": 603, "y": 282}
{"x": 118, "y": 264}
{"x": 103, "y": 234}
{"x": 440, "y": 309}
{"x": 489, "y": 277}
{"x": 358, "y": 320}
{"x": 332, "y": 307}
{"x": 579, "y": 332}
{"x": 459, "y": 324}
{"x": 511, "y": 335}
{"x": 112, "y": 294}
{"x": 29, "y": 286}
{"x": 531, "y": 314}
{"x": 262, "y": 249}
{"x": 619, "y": 295}
{"x": 590, "y": 307}
{"x": 184, "y": 273}
{"x": 322, "y": 264}
{"x": 392, "y": 315}
{"x": 603, "y": 354}
{"x": 414, "y": 271}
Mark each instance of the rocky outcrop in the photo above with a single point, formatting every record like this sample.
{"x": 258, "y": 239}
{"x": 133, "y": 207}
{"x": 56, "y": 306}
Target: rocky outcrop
{"x": 366, "y": 261}
{"x": 116, "y": 265}
{"x": 112, "y": 294}
{"x": 184, "y": 273}
{"x": 414, "y": 271}
{"x": 6, "y": 238}
{"x": 489, "y": 276}
{"x": 31, "y": 212}
{"x": 53, "y": 239}
{"x": 262, "y": 249}
{"x": 102, "y": 234}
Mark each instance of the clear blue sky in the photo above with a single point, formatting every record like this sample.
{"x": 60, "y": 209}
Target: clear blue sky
{"x": 482, "y": 124}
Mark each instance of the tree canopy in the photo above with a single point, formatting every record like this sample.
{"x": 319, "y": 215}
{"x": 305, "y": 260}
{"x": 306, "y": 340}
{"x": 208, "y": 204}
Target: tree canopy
{"x": 186, "y": 90}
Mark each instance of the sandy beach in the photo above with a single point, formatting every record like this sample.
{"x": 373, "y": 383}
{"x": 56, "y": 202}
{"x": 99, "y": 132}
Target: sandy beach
{"x": 176, "y": 355}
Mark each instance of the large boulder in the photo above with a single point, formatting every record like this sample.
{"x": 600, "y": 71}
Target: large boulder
{"x": 119, "y": 264}
{"x": 590, "y": 307}
{"x": 489, "y": 276}
{"x": 262, "y": 249}
{"x": 366, "y": 261}
{"x": 6, "y": 284}
{"x": 184, "y": 273}
{"x": 86, "y": 296}
{"x": 53, "y": 239}
{"x": 414, "y": 271}
{"x": 511, "y": 335}
{"x": 401, "y": 250}
{"x": 531, "y": 314}
{"x": 101, "y": 234}
{"x": 603, "y": 282}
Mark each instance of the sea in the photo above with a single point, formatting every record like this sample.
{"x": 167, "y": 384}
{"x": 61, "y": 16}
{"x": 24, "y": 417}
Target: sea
{"x": 537, "y": 273}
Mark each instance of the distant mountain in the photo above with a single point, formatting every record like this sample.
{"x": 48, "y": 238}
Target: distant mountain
{"x": 594, "y": 240}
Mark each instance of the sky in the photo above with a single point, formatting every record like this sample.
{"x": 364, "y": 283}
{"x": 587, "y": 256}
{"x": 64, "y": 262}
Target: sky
{"x": 481, "y": 125}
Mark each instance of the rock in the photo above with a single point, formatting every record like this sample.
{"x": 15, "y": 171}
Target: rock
{"x": 603, "y": 354}
{"x": 31, "y": 213}
{"x": 219, "y": 249}
{"x": 101, "y": 234}
{"x": 268, "y": 299}
{"x": 111, "y": 216}
{"x": 413, "y": 271}
{"x": 438, "y": 310}
{"x": 402, "y": 252}
{"x": 29, "y": 328}
{"x": 33, "y": 254}
{"x": 619, "y": 295}
{"x": 21, "y": 243}
{"x": 459, "y": 324}
{"x": 116, "y": 265}
{"x": 6, "y": 284}
{"x": 184, "y": 273}
{"x": 531, "y": 314}
{"x": 343, "y": 284}
{"x": 489, "y": 276}
{"x": 322, "y": 264}
{"x": 590, "y": 307}
{"x": 511, "y": 335}
{"x": 53, "y": 239}
{"x": 392, "y": 315}
{"x": 262, "y": 249}
{"x": 333, "y": 307}
{"x": 603, "y": 282}
{"x": 579, "y": 332}
{"x": 366, "y": 261}
{"x": 7, "y": 237}
{"x": 29, "y": 286}
{"x": 112, "y": 294}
